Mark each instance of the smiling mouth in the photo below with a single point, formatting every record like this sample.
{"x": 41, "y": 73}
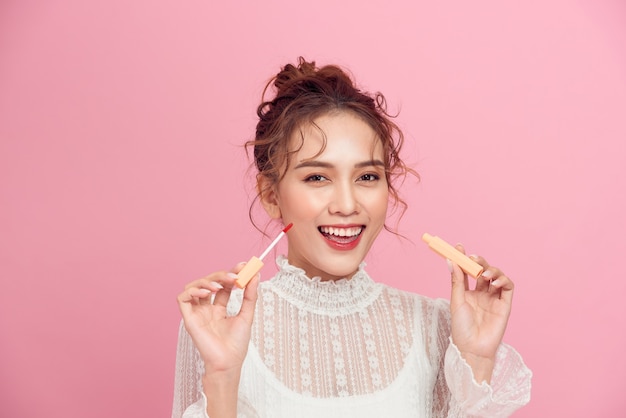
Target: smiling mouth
{"x": 341, "y": 235}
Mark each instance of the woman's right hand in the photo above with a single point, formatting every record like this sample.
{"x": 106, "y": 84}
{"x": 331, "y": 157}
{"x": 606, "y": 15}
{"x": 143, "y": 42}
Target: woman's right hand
{"x": 221, "y": 340}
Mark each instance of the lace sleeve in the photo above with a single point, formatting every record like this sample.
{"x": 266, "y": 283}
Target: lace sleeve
{"x": 188, "y": 376}
{"x": 509, "y": 389}
{"x": 457, "y": 394}
{"x": 189, "y": 399}
{"x": 437, "y": 319}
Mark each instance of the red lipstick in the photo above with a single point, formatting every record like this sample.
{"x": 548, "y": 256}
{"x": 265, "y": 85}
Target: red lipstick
{"x": 343, "y": 237}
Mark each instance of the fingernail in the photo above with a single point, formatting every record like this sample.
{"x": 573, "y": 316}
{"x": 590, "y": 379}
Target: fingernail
{"x": 473, "y": 256}
{"x": 232, "y": 275}
{"x": 205, "y": 291}
{"x": 487, "y": 274}
{"x": 217, "y": 285}
{"x": 495, "y": 282}
{"x": 449, "y": 263}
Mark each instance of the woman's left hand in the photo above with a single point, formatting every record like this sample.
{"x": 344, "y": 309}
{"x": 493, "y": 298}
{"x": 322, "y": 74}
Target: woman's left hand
{"x": 479, "y": 316}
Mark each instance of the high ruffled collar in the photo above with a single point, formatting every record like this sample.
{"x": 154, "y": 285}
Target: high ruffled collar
{"x": 332, "y": 297}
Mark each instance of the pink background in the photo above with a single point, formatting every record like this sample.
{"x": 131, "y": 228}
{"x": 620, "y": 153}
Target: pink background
{"x": 122, "y": 177}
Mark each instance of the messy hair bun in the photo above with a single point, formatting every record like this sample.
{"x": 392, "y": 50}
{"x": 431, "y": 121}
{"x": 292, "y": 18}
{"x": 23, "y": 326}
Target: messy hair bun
{"x": 303, "y": 93}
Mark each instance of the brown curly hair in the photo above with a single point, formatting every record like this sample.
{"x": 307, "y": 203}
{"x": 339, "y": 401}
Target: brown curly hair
{"x": 304, "y": 93}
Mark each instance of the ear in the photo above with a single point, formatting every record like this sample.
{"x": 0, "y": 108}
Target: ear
{"x": 268, "y": 196}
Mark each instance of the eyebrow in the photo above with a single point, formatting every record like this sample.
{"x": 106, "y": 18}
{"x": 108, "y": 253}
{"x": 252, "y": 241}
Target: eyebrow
{"x": 322, "y": 164}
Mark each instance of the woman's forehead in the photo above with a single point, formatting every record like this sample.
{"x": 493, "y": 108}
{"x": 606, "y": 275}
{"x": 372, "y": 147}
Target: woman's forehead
{"x": 335, "y": 133}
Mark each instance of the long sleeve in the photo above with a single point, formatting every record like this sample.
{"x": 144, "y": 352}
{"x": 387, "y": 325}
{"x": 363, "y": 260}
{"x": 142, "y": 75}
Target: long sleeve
{"x": 508, "y": 391}
{"x": 189, "y": 398}
{"x": 458, "y": 395}
{"x": 188, "y": 379}
{"x": 352, "y": 348}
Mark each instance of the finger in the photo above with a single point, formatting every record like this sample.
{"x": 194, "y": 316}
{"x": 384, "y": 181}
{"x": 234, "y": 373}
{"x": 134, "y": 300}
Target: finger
{"x": 238, "y": 267}
{"x": 186, "y": 302}
{"x": 505, "y": 286}
{"x": 202, "y": 291}
{"x": 219, "y": 277}
{"x": 459, "y": 285}
{"x": 222, "y": 297}
{"x": 465, "y": 279}
{"x": 199, "y": 293}
{"x": 184, "y": 305}
{"x": 483, "y": 282}
{"x": 228, "y": 281}
{"x": 184, "y": 297}
{"x": 488, "y": 275}
{"x": 250, "y": 296}
{"x": 480, "y": 260}
{"x": 193, "y": 295}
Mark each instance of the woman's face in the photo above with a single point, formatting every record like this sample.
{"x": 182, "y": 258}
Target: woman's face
{"x": 337, "y": 200}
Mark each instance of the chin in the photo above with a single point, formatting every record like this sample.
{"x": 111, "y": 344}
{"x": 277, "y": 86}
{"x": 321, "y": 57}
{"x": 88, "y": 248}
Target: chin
{"x": 342, "y": 269}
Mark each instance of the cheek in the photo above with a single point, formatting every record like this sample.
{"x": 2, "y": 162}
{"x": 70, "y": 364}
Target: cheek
{"x": 379, "y": 202}
{"x": 301, "y": 205}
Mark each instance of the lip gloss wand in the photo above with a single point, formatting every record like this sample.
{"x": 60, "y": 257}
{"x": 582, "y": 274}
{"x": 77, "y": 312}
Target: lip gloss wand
{"x": 255, "y": 264}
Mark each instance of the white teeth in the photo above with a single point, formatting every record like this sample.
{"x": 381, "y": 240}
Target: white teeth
{"x": 341, "y": 232}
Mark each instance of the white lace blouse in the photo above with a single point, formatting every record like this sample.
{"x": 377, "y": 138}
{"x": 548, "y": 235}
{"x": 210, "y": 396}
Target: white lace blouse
{"x": 352, "y": 348}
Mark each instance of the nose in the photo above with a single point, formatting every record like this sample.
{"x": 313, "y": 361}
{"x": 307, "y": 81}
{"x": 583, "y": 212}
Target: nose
{"x": 344, "y": 201}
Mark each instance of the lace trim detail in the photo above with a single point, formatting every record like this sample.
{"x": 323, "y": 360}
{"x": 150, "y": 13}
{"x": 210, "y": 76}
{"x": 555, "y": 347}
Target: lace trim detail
{"x": 332, "y": 297}
{"x": 380, "y": 352}
{"x": 332, "y": 339}
{"x": 509, "y": 389}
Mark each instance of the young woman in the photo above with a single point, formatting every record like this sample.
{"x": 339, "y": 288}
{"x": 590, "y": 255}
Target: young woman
{"x": 321, "y": 338}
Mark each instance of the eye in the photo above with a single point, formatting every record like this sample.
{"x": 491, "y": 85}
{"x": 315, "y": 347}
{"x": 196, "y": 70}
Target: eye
{"x": 315, "y": 178}
{"x": 369, "y": 177}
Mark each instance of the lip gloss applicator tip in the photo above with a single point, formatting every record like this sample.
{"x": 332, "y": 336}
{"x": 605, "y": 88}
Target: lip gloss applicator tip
{"x": 255, "y": 264}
